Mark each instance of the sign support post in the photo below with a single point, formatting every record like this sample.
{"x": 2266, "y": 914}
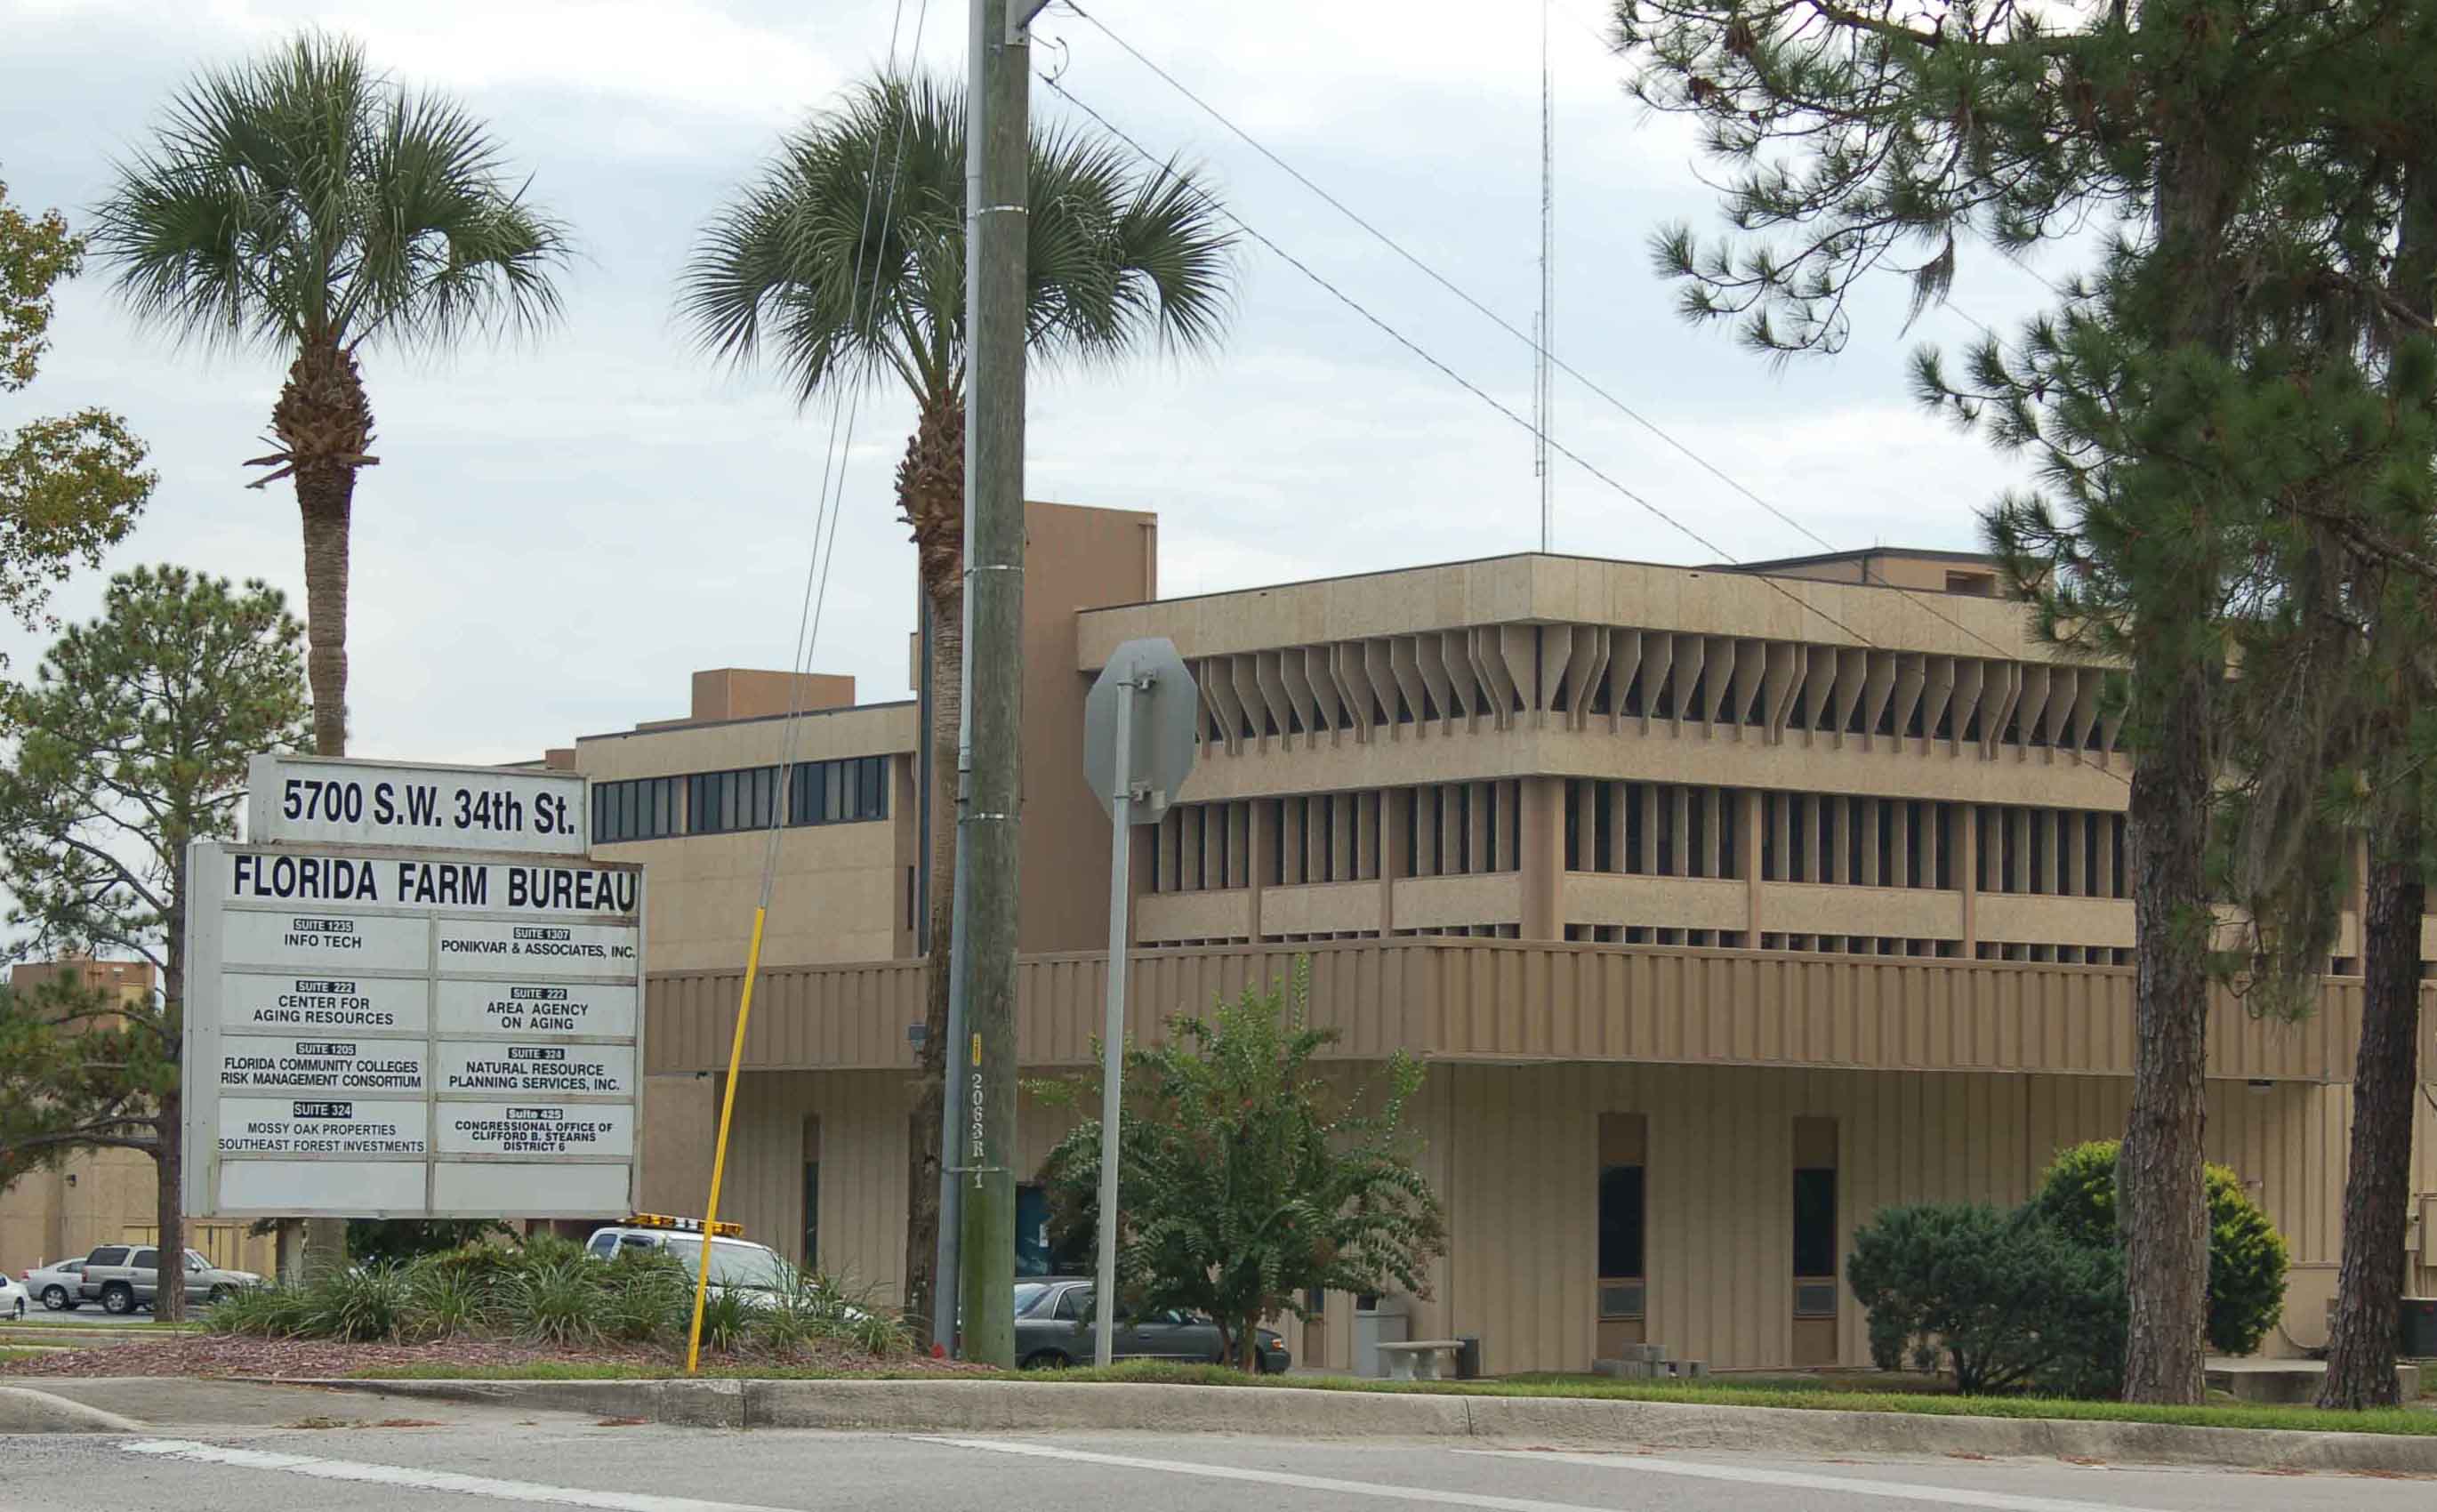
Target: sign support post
{"x": 1141, "y": 727}
{"x": 1112, "y": 1034}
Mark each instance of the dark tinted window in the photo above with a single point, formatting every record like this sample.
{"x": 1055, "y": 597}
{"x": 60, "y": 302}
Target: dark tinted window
{"x": 146, "y": 1259}
{"x": 644, "y": 809}
{"x": 108, "y": 1254}
{"x": 1815, "y": 1222}
{"x": 1619, "y": 1221}
{"x": 1076, "y": 1303}
{"x": 846, "y": 791}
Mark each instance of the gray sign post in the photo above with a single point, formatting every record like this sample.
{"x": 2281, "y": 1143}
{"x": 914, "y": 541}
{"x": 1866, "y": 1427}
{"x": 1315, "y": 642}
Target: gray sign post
{"x": 1139, "y": 741}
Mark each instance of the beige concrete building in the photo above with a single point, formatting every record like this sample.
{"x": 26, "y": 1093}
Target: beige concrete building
{"x": 101, "y": 1196}
{"x": 1727, "y": 906}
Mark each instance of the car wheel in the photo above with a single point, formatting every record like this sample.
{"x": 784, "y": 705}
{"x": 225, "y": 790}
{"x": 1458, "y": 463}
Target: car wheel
{"x": 1046, "y": 1359}
{"x": 21, "y": 1309}
{"x": 57, "y": 1299}
{"x": 218, "y": 1293}
{"x": 118, "y": 1299}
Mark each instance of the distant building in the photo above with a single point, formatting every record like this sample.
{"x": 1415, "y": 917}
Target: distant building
{"x": 101, "y": 1196}
{"x": 1727, "y": 904}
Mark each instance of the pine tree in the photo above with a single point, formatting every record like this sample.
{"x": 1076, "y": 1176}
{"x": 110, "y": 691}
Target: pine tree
{"x": 131, "y": 744}
{"x": 1876, "y": 137}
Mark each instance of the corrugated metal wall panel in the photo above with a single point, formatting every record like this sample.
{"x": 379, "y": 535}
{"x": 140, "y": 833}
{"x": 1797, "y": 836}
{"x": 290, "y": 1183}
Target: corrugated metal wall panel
{"x": 1512, "y": 1151}
{"x": 1504, "y": 1000}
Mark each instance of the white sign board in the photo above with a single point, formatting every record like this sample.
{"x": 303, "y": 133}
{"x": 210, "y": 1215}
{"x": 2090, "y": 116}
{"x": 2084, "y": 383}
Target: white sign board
{"x": 331, "y": 800}
{"x": 412, "y": 1032}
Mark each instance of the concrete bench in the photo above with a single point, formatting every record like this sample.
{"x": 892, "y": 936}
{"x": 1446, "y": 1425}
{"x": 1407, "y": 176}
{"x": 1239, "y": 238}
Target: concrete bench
{"x": 1418, "y": 1359}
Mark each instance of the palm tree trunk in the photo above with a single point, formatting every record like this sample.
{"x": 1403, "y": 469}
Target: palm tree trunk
{"x": 922, "y": 1177}
{"x": 931, "y": 499}
{"x": 2377, "y": 1187}
{"x": 324, "y": 423}
{"x": 327, "y": 503}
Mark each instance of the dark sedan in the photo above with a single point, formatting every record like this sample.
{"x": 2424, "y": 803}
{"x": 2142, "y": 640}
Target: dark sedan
{"x": 1053, "y": 1330}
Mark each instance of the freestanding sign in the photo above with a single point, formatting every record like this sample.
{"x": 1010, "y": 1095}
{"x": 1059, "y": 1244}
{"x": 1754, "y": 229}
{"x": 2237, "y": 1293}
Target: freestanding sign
{"x": 380, "y": 1025}
{"x": 1139, "y": 741}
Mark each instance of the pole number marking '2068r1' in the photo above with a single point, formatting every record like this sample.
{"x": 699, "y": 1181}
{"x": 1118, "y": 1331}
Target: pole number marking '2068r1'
{"x": 419, "y": 805}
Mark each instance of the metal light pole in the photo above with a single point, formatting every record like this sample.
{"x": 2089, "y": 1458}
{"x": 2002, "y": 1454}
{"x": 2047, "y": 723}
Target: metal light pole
{"x": 983, "y": 1064}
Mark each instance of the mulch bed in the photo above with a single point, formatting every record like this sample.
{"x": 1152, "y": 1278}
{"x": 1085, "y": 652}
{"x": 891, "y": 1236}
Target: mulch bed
{"x": 211, "y": 1355}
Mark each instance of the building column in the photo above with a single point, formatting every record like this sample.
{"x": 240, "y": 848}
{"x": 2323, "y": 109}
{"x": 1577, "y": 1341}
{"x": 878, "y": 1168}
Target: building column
{"x": 1393, "y": 857}
{"x": 1257, "y": 861}
{"x": 1542, "y": 856}
{"x": 1967, "y": 873}
{"x": 1747, "y": 837}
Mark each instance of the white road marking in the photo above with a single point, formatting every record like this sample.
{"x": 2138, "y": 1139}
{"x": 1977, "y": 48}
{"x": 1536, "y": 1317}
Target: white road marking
{"x": 525, "y": 1491}
{"x": 1798, "y": 1480}
{"x": 1997, "y": 1502}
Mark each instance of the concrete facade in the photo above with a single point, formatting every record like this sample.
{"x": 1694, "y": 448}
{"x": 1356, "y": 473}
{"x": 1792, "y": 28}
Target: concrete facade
{"x": 1727, "y": 904}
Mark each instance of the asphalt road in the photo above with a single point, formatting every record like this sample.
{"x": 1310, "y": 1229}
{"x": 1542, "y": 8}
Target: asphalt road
{"x": 477, "y": 1461}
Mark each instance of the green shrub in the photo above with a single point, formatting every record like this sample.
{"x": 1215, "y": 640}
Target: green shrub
{"x": 259, "y": 1312}
{"x": 2009, "y": 1297}
{"x": 646, "y": 1296}
{"x": 364, "y": 1304}
{"x": 554, "y": 1300}
{"x": 2247, "y": 1256}
{"x": 728, "y": 1319}
{"x": 483, "y": 1269}
{"x": 446, "y": 1301}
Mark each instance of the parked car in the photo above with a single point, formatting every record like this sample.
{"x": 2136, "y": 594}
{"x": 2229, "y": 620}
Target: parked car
{"x": 1053, "y": 1330}
{"x": 13, "y": 1297}
{"x": 123, "y": 1278}
{"x": 757, "y": 1272}
{"x": 56, "y": 1285}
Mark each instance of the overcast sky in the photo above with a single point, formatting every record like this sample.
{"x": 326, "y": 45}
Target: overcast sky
{"x": 558, "y": 534}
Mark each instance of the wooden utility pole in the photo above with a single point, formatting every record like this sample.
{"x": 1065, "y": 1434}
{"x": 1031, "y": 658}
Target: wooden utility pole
{"x": 983, "y": 1067}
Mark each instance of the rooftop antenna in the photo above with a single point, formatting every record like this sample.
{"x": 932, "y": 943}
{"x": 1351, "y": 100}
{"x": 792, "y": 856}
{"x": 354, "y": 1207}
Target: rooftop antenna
{"x": 1545, "y": 333}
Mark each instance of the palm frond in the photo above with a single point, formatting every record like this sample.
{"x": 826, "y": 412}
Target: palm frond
{"x": 304, "y": 196}
{"x": 842, "y": 261}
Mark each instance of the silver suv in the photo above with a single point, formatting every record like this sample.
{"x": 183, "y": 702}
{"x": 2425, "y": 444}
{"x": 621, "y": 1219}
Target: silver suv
{"x": 123, "y": 1278}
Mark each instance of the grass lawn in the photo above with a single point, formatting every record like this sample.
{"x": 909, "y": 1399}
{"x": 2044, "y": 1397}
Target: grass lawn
{"x": 1845, "y": 1393}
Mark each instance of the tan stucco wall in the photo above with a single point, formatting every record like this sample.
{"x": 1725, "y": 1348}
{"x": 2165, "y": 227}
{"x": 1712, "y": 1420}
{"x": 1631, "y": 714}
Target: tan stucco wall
{"x": 45, "y": 1218}
{"x": 1512, "y": 1151}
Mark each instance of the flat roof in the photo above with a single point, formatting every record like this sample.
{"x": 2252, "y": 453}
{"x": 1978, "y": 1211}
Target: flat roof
{"x": 679, "y": 726}
{"x": 1766, "y": 568}
{"x": 1824, "y": 558}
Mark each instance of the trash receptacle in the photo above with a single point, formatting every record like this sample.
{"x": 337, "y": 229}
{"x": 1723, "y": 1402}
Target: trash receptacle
{"x": 2419, "y": 1341}
{"x": 1468, "y": 1359}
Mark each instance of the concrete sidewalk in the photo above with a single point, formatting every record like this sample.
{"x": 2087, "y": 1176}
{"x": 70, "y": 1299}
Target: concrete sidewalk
{"x": 1035, "y": 1407}
{"x": 133, "y": 1404}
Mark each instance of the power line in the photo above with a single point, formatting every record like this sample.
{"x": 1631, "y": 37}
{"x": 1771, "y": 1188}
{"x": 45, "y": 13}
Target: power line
{"x": 1909, "y": 595}
{"x": 1458, "y": 379}
{"x": 1540, "y": 346}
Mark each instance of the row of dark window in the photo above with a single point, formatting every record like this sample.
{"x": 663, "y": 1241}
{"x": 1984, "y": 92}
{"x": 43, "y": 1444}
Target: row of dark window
{"x": 846, "y": 791}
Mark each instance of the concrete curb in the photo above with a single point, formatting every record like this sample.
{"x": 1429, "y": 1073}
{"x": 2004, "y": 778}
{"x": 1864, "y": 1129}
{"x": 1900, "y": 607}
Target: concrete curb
{"x": 1039, "y": 1407}
{"x": 23, "y": 1411}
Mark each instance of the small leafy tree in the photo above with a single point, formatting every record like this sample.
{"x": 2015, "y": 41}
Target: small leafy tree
{"x": 2247, "y": 1256}
{"x": 70, "y": 486}
{"x": 1245, "y": 1178}
{"x": 2012, "y": 1299}
{"x": 130, "y": 743}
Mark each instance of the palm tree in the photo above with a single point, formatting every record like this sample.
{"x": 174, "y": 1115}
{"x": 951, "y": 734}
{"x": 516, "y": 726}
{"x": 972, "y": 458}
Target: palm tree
{"x": 304, "y": 204}
{"x": 843, "y": 265}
